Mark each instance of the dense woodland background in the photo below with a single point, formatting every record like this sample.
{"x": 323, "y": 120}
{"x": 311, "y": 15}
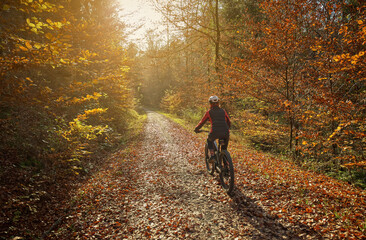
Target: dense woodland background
{"x": 291, "y": 75}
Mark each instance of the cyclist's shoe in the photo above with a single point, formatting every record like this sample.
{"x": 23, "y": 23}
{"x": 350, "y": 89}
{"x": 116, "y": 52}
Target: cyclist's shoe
{"x": 212, "y": 159}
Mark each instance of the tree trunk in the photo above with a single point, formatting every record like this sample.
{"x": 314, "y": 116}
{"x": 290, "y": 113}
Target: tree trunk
{"x": 218, "y": 38}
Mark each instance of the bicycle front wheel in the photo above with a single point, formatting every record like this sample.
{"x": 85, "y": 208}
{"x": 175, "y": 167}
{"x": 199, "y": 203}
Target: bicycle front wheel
{"x": 227, "y": 172}
{"x": 210, "y": 166}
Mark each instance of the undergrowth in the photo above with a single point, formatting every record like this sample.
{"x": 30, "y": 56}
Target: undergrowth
{"x": 37, "y": 189}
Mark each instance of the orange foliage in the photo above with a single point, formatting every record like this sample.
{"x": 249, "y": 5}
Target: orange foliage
{"x": 307, "y": 61}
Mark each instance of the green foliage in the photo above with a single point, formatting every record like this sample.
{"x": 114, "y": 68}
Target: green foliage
{"x": 193, "y": 115}
{"x": 355, "y": 176}
{"x": 183, "y": 122}
{"x": 265, "y": 134}
{"x": 135, "y": 124}
{"x": 30, "y": 162}
{"x": 364, "y": 226}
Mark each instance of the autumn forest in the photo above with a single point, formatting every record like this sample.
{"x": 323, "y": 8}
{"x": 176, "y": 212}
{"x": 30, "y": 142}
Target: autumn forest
{"x": 78, "y": 98}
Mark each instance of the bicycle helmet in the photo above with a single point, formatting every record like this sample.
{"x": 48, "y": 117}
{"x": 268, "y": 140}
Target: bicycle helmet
{"x": 213, "y": 99}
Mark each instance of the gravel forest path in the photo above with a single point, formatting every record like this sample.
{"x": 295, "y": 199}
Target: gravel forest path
{"x": 176, "y": 198}
{"x": 160, "y": 189}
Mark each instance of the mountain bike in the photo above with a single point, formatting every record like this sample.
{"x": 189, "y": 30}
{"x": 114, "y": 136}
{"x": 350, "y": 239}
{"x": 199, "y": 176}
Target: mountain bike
{"x": 222, "y": 164}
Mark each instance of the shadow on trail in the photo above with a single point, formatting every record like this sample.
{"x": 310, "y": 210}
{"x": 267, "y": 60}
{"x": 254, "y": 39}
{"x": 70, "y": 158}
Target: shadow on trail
{"x": 267, "y": 225}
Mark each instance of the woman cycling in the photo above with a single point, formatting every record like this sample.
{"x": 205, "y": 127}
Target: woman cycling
{"x": 220, "y": 124}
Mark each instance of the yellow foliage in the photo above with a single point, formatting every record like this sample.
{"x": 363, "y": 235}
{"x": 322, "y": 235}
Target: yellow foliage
{"x": 91, "y": 112}
{"x": 258, "y": 128}
{"x": 57, "y": 95}
{"x": 6, "y": 7}
{"x": 30, "y": 23}
{"x": 37, "y": 46}
{"x": 171, "y": 101}
{"x": 88, "y": 97}
{"x": 78, "y": 131}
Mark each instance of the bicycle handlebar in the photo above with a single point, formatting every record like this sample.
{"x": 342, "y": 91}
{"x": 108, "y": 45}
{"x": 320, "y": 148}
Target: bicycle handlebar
{"x": 199, "y": 131}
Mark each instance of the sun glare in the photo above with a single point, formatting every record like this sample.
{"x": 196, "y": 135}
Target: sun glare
{"x": 141, "y": 17}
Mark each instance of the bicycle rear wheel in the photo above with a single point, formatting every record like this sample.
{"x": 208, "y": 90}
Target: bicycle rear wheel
{"x": 227, "y": 172}
{"x": 210, "y": 166}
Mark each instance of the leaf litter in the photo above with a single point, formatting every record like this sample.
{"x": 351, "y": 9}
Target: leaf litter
{"x": 159, "y": 189}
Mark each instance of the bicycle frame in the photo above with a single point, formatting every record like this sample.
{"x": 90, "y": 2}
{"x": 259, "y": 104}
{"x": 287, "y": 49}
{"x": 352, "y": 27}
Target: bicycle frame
{"x": 217, "y": 147}
{"x": 223, "y": 165}
{"x": 218, "y": 143}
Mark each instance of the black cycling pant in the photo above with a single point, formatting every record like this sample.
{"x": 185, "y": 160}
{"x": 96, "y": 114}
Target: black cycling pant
{"x": 212, "y": 137}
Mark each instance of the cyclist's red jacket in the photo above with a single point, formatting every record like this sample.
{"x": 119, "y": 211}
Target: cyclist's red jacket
{"x": 219, "y": 119}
